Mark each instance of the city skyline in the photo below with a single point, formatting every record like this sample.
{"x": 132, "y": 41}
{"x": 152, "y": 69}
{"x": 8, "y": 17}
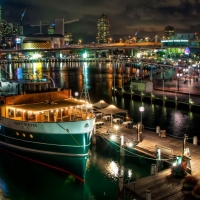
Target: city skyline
{"x": 137, "y": 18}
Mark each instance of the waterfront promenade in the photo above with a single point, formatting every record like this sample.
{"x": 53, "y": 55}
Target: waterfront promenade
{"x": 161, "y": 185}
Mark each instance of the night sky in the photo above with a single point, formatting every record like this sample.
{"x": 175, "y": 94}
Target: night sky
{"x": 144, "y": 18}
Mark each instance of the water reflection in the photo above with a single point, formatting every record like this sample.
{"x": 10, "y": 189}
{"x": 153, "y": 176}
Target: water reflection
{"x": 112, "y": 169}
{"x": 100, "y": 78}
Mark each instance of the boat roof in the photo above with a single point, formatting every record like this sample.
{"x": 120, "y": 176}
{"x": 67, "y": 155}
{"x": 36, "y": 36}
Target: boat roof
{"x": 42, "y": 106}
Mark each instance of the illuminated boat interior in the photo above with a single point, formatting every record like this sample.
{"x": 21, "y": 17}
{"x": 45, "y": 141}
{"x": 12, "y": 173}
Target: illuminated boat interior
{"x": 36, "y": 102}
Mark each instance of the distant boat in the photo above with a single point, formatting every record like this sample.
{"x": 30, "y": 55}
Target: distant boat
{"x": 45, "y": 125}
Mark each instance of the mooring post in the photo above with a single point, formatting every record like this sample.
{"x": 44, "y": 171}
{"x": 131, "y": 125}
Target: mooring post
{"x": 122, "y": 151}
{"x": 158, "y": 159}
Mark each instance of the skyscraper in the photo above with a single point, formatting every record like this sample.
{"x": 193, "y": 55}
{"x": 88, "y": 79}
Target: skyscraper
{"x": 169, "y": 32}
{"x": 103, "y": 28}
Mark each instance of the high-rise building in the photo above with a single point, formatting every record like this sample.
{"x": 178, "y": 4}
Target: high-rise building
{"x": 169, "y": 32}
{"x": 103, "y": 28}
{"x": 59, "y": 26}
{"x": 51, "y": 30}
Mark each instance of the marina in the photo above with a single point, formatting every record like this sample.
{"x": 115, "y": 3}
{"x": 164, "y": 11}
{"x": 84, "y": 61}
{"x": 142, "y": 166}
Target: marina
{"x": 99, "y": 106}
{"x": 161, "y": 184}
{"x": 96, "y": 76}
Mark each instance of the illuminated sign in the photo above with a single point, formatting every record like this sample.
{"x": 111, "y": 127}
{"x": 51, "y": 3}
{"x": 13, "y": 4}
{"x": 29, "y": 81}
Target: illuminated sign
{"x": 174, "y": 41}
{"x": 18, "y": 40}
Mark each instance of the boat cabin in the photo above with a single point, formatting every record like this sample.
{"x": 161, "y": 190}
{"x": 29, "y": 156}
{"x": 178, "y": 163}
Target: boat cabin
{"x": 49, "y": 106}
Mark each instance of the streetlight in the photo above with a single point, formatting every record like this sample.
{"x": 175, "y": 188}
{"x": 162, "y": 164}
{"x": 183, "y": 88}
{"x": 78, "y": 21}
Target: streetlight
{"x": 184, "y": 140}
{"x": 141, "y": 109}
{"x": 79, "y": 41}
{"x": 178, "y": 77}
{"x": 116, "y": 128}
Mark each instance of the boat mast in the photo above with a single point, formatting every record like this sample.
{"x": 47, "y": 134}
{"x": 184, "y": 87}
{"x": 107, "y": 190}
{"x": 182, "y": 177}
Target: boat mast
{"x": 85, "y": 92}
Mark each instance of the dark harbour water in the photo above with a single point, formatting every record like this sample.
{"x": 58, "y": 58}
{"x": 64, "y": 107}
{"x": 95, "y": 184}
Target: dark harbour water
{"x": 23, "y": 180}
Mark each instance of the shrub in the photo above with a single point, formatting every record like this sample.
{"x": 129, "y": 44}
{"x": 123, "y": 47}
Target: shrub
{"x": 189, "y": 182}
{"x": 196, "y": 191}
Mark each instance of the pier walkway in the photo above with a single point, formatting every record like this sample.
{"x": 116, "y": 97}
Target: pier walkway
{"x": 162, "y": 185}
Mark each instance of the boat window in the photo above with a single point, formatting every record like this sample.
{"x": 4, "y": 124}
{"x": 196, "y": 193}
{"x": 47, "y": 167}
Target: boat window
{"x": 24, "y": 135}
{"x": 31, "y": 136}
{"x": 17, "y": 133}
{"x": 18, "y": 114}
{"x": 10, "y": 113}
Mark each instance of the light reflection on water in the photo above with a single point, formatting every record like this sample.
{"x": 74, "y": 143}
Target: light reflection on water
{"x": 99, "y": 82}
{"x": 104, "y": 166}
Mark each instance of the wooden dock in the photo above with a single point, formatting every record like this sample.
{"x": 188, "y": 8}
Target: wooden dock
{"x": 163, "y": 185}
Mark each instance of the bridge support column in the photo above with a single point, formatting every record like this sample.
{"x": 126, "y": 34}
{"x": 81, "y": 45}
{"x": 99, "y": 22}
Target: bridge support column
{"x": 190, "y": 106}
{"x": 9, "y": 56}
{"x": 152, "y": 97}
{"x": 58, "y": 54}
{"x": 164, "y": 100}
{"x": 97, "y": 54}
{"x": 132, "y": 53}
{"x": 111, "y": 54}
{"x": 176, "y": 101}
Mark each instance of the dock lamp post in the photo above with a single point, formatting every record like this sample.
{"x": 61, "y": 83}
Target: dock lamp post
{"x": 184, "y": 141}
{"x": 178, "y": 77}
{"x": 141, "y": 109}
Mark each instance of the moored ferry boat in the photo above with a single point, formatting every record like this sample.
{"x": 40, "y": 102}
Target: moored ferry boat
{"x": 45, "y": 125}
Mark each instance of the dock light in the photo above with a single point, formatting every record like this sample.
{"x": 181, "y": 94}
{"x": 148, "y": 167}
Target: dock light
{"x": 76, "y": 94}
{"x": 116, "y": 128}
{"x": 113, "y": 137}
{"x": 130, "y": 144}
{"x": 174, "y": 164}
{"x": 141, "y": 109}
{"x": 85, "y": 55}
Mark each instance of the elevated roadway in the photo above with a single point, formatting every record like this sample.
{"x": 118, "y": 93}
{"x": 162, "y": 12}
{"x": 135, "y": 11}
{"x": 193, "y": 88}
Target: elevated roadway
{"x": 108, "y": 46}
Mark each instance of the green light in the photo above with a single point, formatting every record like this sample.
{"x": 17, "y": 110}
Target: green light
{"x": 85, "y": 55}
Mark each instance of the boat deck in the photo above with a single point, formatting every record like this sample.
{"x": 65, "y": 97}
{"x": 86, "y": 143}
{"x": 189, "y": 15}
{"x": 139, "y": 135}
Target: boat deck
{"x": 62, "y": 110}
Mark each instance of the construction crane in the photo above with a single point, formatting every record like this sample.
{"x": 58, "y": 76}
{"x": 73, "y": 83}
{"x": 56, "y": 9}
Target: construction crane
{"x": 137, "y": 31}
{"x": 20, "y": 21}
{"x": 45, "y": 24}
